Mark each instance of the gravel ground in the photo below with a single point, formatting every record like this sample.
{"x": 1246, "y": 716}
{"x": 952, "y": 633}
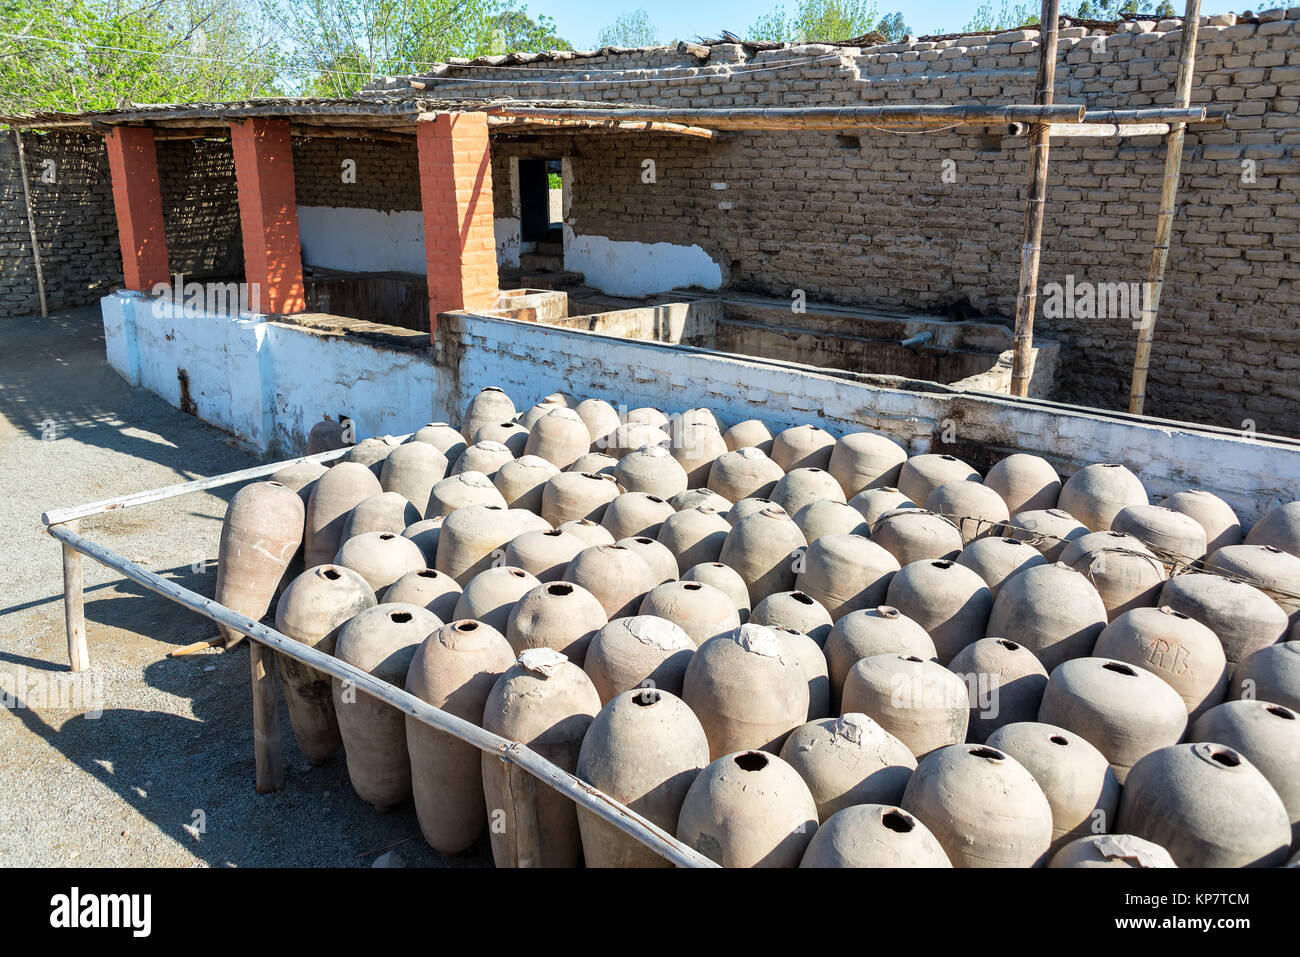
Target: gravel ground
{"x": 164, "y": 776}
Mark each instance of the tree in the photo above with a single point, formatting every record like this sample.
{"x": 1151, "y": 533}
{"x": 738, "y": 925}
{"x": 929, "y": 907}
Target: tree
{"x": 893, "y": 27}
{"x": 827, "y": 20}
{"x": 517, "y": 31}
{"x": 632, "y": 29}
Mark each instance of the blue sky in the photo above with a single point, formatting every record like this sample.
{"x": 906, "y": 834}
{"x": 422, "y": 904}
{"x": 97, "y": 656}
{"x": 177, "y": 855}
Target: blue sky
{"x": 579, "y": 21}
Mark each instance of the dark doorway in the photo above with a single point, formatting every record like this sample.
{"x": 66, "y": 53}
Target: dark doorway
{"x": 539, "y": 200}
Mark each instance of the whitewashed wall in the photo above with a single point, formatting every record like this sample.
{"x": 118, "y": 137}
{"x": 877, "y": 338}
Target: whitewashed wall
{"x": 362, "y": 240}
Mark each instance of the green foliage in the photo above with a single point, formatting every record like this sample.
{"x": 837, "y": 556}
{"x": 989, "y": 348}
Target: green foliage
{"x": 815, "y": 20}
{"x": 1009, "y": 17}
{"x": 632, "y": 29}
{"x": 893, "y": 27}
{"x": 554, "y": 181}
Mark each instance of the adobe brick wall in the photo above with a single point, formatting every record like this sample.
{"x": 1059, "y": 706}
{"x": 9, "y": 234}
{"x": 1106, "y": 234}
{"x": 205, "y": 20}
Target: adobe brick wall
{"x": 201, "y": 208}
{"x": 387, "y": 174}
{"x": 876, "y": 223}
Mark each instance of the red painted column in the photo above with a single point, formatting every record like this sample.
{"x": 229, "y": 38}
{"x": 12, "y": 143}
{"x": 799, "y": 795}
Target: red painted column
{"x": 456, "y": 194}
{"x": 268, "y": 213}
{"x": 133, "y": 163}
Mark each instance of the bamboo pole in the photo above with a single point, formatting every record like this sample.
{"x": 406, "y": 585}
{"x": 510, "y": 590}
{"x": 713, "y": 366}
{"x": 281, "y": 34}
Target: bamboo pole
{"x": 1036, "y": 205}
{"x": 1062, "y": 131}
{"x": 74, "y": 607}
{"x": 1168, "y": 203}
{"x": 1154, "y": 114}
{"x": 31, "y": 224}
{"x": 594, "y": 800}
{"x": 268, "y": 756}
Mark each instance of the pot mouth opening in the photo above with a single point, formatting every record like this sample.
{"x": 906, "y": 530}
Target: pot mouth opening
{"x": 1228, "y": 759}
{"x": 942, "y": 563}
{"x": 644, "y": 541}
{"x": 654, "y": 498}
{"x": 751, "y": 761}
{"x": 801, "y": 598}
{"x": 400, "y": 617}
{"x": 896, "y": 820}
{"x": 691, "y": 586}
{"x": 911, "y": 658}
{"x": 1008, "y": 644}
{"x": 948, "y": 458}
{"x": 559, "y": 588}
{"x": 1281, "y": 712}
{"x": 518, "y": 572}
{"x": 332, "y": 574}
{"x": 1058, "y": 739}
{"x": 387, "y": 537}
{"x": 1120, "y": 669}
{"x": 646, "y": 697}
{"x": 988, "y": 754}
{"x": 466, "y": 626}
{"x": 888, "y": 611}
{"x": 427, "y": 573}
{"x": 553, "y": 532}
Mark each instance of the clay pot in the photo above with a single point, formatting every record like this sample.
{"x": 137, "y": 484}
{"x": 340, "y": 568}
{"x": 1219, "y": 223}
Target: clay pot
{"x": 1112, "y": 850}
{"x": 1242, "y": 617}
{"x": 997, "y": 559}
{"x": 922, "y": 474}
{"x": 1280, "y": 528}
{"x": 1176, "y": 538}
{"x": 644, "y": 749}
{"x": 512, "y": 435}
{"x": 425, "y": 534}
{"x": 803, "y": 447}
{"x": 573, "y": 495}
{"x": 804, "y": 486}
{"x": 794, "y": 611}
{"x": 752, "y": 433}
{"x": 697, "y": 497}
{"x": 1268, "y": 735}
{"x": 558, "y": 615}
{"x": 589, "y": 532}
{"x": 694, "y": 535}
{"x": 491, "y": 595}
{"x": 1264, "y": 566}
{"x": 385, "y": 512}
{"x": 427, "y": 588}
{"x": 1050, "y": 609}
{"x": 982, "y": 806}
{"x": 645, "y": 414}
{"x": 873, "y": 835}
{"x": 764, "y": 548}
{"x": 325, "y": 436}
{"x": 616, "y": 575}
{"x": 556, "y": 400}
{"x": 1025, "y": 482}
{"x": 1005, "y": 683}
{"x": 1125, "y": 572}
{"x": 546, "y": 703}
{"x": 848, "y": 760}
{"x": 1208, "y": 805}
{"x": 472, "y": 539}
{"x": 866, "y": 633}
{"x": 920, "y": 702}
{"x": 1215, "y": 516}
{"x": 312, "y": 610}
{"x": 1270, "y": 674}
{"x": 696, "y": 446}
{"x": 632, "y": 436}
{"x": 692, "y": 418}
{"x": 560, "y": 437}
{"x": 520, "y": 481}
{"x": 825, "y": 517}
{"x": 490, "y": 405}
{"x": 544, "y": 555}
{"x": 845, "y": 573}
{"x": 300, "y": 477}
{"x": 444, "y": 438}
{"x": 655, "y": 555}
{"x": 808, "y": 654}
{"x": 380, "y": 558}
{"x": 700, "y": 610}
{"x": 412, "y": 470}
{"x": 453, "y": 669}
{"x": 1124, "y": 711}
{"x": 486, "y": 457}
{"x": 334, "y": 496}
{"x": 873, "y": 504}
{"x": 1180, "y": 650}
{"x": 1074, "y": 776}
{"x": 1095, "y": 494}
{"x": 599, "y": 417}
{"x": 260, "y": 536}
{"x": 724, "y": 578}
{"x": 913, "y": 534}
{"x": 634, "y": 514}
{"x": 638, "y": 652}
{"x": 977, "y": 510}
{"x": 748, "y": 809}
{"x": 380, "y": 641}
{"x": 461, "y": 491}
{"x": 948, "y": 600}
{"x": 597, "y": 463}
{"x": 744, "y": 473}
{"x": 1048, "y": 530}
{"x": 747, "y": 689}
{"x": 371, "y": 453}
{"x": 863, "y": 460}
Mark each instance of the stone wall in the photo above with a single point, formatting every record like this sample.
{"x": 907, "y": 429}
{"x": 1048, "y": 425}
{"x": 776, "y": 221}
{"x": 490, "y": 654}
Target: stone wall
{"x": 387, "y": 174}
{"x": 869, "y": 216}
{"x": 200, "y": 208}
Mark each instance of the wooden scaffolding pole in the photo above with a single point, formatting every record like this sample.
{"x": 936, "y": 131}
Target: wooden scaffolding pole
{"x": 1036, "y": 204}
{"x": 31, "y": 224}
{"x": 1168, "y": 202}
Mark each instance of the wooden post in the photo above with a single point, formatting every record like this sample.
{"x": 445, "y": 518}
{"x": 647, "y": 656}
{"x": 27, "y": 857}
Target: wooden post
{"x": 74, "y": 606}
{"x": 31, "y": 229}
{"x": 521, "y": 816}
{"x": 1168, "y": 202}
{"x": 1035, "y": 207}
{"x": 267, "y": 755}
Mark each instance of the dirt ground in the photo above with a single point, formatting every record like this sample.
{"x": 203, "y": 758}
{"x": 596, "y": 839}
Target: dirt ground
{"x": 164, "y": 776}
